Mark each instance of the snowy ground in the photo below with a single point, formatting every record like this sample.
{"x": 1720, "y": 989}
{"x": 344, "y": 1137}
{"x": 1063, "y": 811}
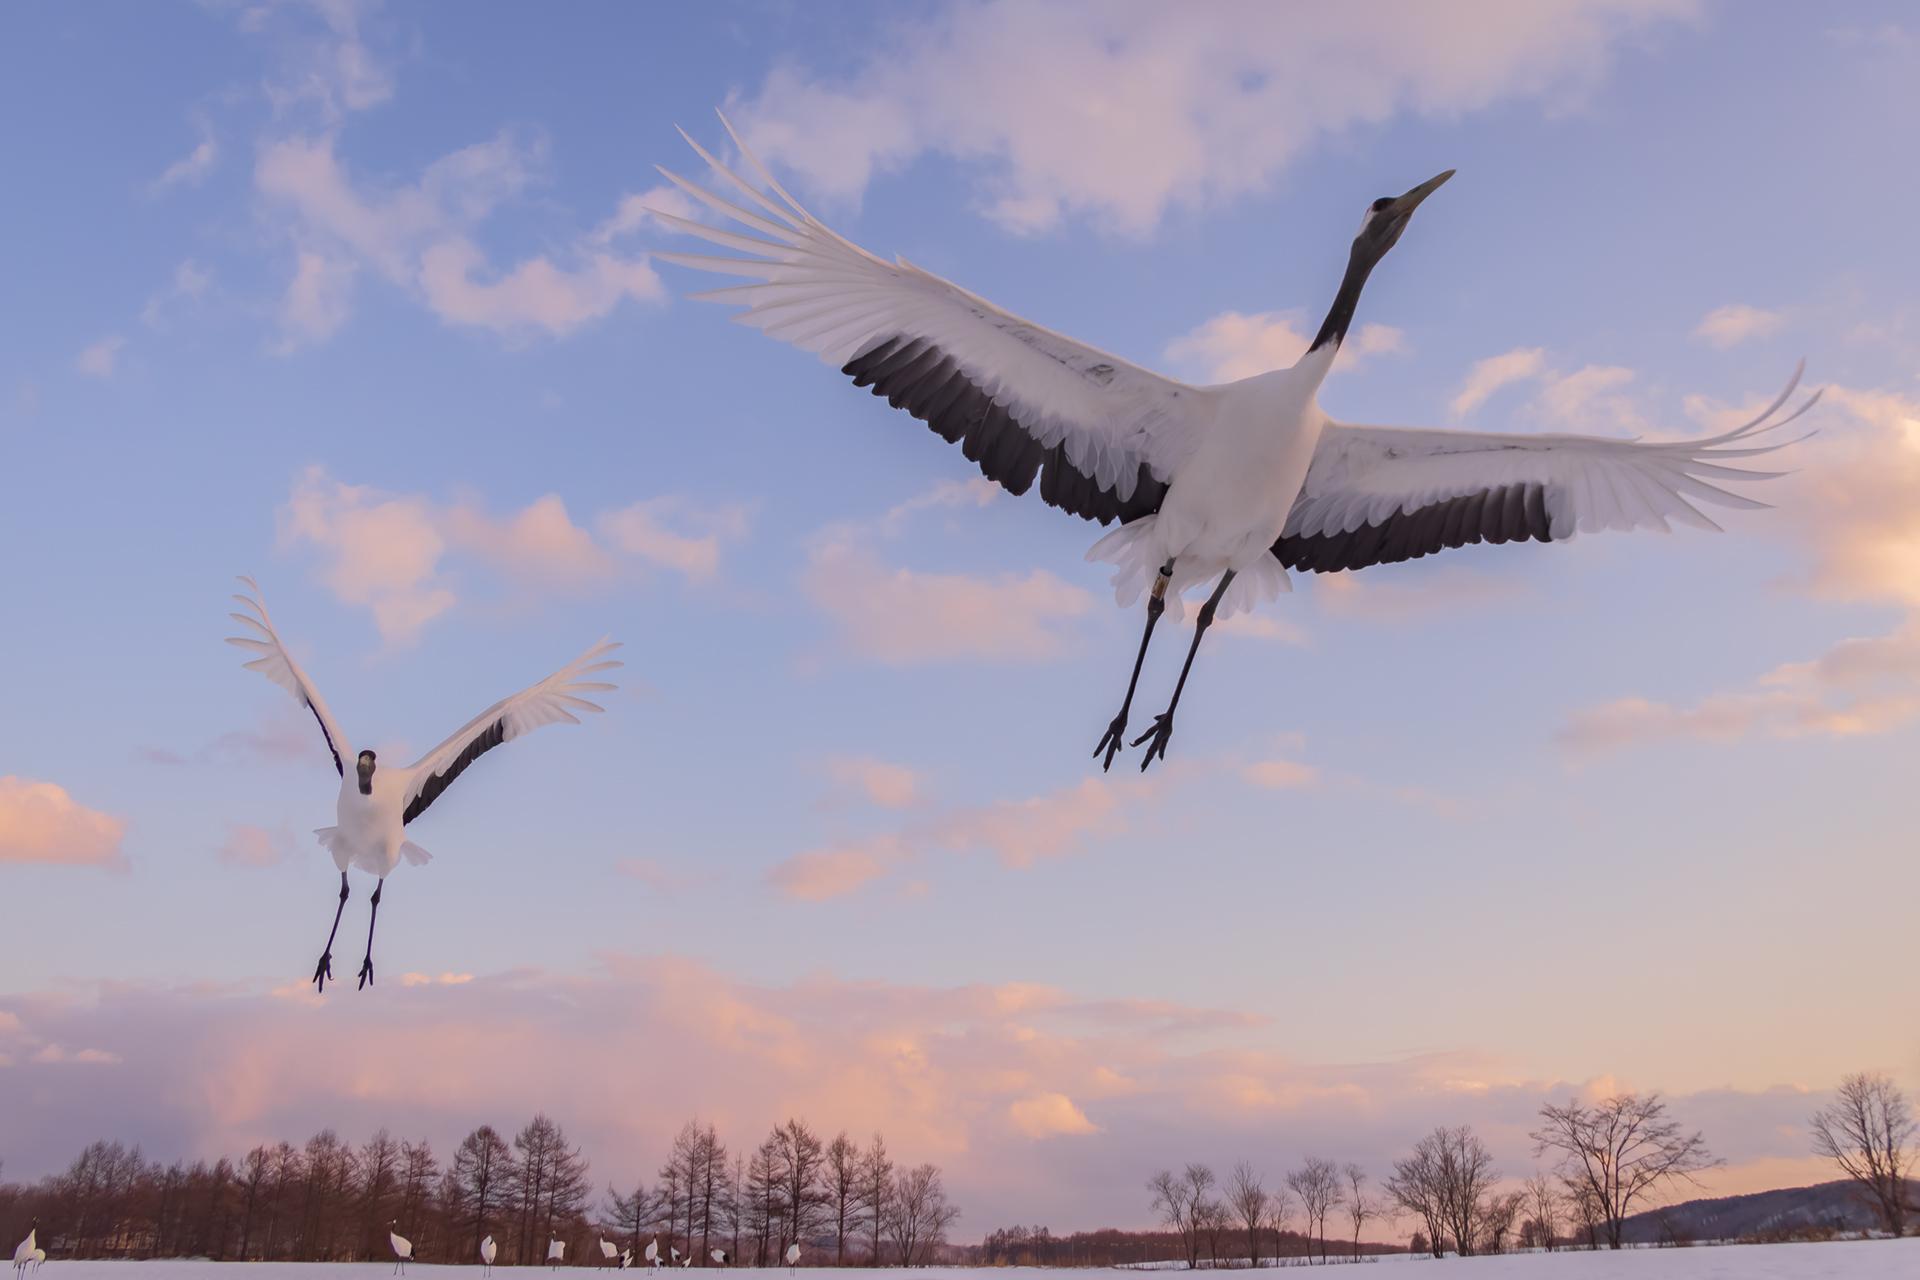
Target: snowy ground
{"x": 1852, "y": 1260}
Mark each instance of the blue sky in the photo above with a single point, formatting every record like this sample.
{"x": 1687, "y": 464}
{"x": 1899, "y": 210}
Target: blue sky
{"x": 357, "y": 300}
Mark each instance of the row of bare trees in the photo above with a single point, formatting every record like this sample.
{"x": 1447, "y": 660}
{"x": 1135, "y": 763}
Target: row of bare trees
{"x": 328, "y": 1200}
{"x": 1248, "y": 1215}
{"x": 1609, "y": 1157}
{"x": 843, "y": 1202}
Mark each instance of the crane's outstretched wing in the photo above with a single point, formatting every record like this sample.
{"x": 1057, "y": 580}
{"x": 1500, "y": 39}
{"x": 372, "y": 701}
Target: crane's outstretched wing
{"x": 277, "y": 665}
{"x": 552, "y": 701}
{"x": 1103, "y": 436}
{"x": 1378, "y": 495}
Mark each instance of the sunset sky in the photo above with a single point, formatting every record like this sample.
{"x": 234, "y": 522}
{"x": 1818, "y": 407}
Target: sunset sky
{"x": 358, "y": 300}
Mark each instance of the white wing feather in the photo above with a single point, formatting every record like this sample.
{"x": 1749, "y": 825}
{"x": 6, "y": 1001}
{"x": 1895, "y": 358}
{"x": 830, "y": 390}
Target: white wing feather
{"x": 827, "y": 295}
{"x": 277, "y": 665}
{"x": 551, "y": 701}
{"x": 1364, "y": 475}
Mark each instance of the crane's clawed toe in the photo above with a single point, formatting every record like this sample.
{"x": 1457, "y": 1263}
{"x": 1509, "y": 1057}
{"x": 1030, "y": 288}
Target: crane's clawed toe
{"x": 323, "y": 972}
{"x": 1161, "y": 731}
{"x": 366, "y": 973}
{"x": 1115, "y": 739}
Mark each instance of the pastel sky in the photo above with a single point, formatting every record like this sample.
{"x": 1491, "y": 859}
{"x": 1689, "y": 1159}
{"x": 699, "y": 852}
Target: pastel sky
{"x": 358, "y": 300}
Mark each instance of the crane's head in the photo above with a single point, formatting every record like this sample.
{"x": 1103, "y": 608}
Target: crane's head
{"x": 1387, "y": 217}
{"x": 364, "y": 766}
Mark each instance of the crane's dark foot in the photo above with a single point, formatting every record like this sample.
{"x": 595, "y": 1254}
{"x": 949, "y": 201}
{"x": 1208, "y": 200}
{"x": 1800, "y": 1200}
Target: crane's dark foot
{"x": 366, "y": 973}
{"x": 323, "y": 972}
{"x": 1161, "y": 731}
{"x": 1110, "y": 745}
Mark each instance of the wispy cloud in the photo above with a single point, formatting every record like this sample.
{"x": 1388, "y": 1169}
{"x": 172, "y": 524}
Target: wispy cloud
{"x": 910, "y": 617}
{"x": 422, "y": 237}
{"x": 1854, "y": 510}
{"x": 100, "y": 359}
{"x": 1017, "y": 833}
{"x": 191, "y": 169}
{"x": 1121, "y": 112}
{"x": 250, "y": 846}
{"x": 883, "y": 783}
{"x": 1234, "y": 345}
{"x": 1731, "y": 325}
{"x": 1491, "y": 374}
{"x": 388, "y": 552}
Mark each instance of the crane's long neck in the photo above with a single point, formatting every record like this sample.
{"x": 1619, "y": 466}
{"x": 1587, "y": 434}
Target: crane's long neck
{"x": 1333, "y": 330}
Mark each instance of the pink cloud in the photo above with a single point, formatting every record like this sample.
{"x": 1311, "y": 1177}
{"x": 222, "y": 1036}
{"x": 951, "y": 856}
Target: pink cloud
{"x": 1735, "y": 323}
{"x": 1853, "y": 507}
{"x": 661, "y": 876}
{"x": 40, "y": 822}
{"x": 1419, "y": 591}
{"x": 1121, "y": 112}
{"x": 1017, "y": 833}
{"x": 884, "y": 784}
{"x": 1039, "y": 1103}
{"x": 906, "y": 617}
{"x": 284, "y": 735}
{"x": 393, "y": 554}
{"x": 1234, "y": 345}
{"x": 420, "y": 237}
{"x": 1277, "y": 775}
{"x": 250, "y": 846}
{"x": 1049, "y": 1115}
{"x": 820, "y": 874}
{"x": 646, "y": 530}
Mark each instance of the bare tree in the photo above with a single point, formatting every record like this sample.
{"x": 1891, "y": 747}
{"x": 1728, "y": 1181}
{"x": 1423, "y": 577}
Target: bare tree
{"x": 1865, "y": 1130}
{"x": 1624, "y": 1148}
{"x": 627, "y": 1217}
{"x": 1362, "y": 1208}
{"x": 1279, "y": 1211}
{"x": 876, "y": 1185}
{"x": 379, "y": 1167}
{"x": 1445, "y": 1181}
{"x": 479, "y": 1179}
{"x": 1247, "y": 1197}
{"x": 1170, "y": 1201}
{"x": 1415, "y": 1188}
{"x": 1585, "y": 1208}
{"x": 1210, "y": 1221}
{"x": 919, "y": 1215}
{"x": 1317, "y": 1183}
{"x": 1495, "y": 1221}
{"x": 1543, "y": 1203}
{"x": 842, "y": 1183}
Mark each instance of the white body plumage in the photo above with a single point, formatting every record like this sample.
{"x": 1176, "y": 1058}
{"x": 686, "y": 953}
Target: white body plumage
{"x": 371, "y": 831}
{"x": 23, "y": 1253}
{"x": 1226, "y": 507}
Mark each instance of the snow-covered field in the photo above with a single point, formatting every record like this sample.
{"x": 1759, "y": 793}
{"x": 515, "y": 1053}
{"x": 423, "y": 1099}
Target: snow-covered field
{"x": 1852, "y": 1260}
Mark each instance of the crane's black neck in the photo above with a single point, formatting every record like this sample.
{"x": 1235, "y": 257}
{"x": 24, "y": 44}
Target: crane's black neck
{"x": 1340, "y": 315}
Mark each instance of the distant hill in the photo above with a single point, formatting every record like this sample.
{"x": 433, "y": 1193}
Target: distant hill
{"x": 1833, "y": 1205}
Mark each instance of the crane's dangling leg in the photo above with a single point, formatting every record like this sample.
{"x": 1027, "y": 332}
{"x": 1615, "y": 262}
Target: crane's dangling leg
{"x": 1116, "y": 735}
{"x": 324, "y": 970}
{"x": 366, "y": 966}
{"x": 1163, "y": 723}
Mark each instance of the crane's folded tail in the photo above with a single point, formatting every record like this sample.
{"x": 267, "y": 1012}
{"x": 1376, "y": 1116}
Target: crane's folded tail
{"x": 1137, "y": 556}
{"x": 415, "y": 855}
